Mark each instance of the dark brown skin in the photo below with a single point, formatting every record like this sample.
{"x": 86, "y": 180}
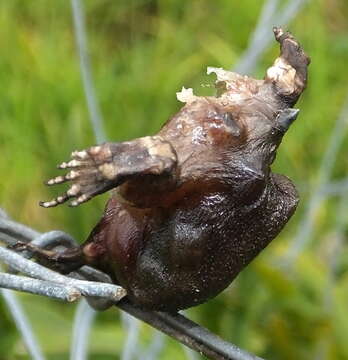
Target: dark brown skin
{"x": 193, "y": 205}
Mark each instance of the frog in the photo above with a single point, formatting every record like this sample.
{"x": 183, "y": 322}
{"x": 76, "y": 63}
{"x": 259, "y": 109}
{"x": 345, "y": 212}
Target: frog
{"x": 194, "y": 204}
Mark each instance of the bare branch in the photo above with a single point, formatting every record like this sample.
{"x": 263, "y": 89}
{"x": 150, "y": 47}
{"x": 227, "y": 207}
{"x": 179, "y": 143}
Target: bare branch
{"x": 86, "y": 288}
{"x": 153, "y": 350}
{"x": 22, "y": 325}
{"x": 84, "y": 318}
{"x": 131, "y": 326}
{"x": 17, "y": 311}
{"x": 188, "y": 333}
{"x": 81, "y": 41}
{"x": 306, "y": 226}
{"x": 17, "y": 230}
{"x": 38, "y": 287}
{"x": 261, "y": 38}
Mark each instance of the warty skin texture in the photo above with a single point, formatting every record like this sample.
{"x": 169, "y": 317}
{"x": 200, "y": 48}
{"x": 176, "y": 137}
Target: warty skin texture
{"x": 193, "y": 205}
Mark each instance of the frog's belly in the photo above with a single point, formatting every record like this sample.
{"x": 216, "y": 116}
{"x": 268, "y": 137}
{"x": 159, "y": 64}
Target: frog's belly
{"x": 163, "y": 286}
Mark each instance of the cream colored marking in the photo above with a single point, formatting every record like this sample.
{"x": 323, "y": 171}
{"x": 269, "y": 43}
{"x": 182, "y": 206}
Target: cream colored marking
{"x": 72, "y": 175}
{"x": 156, "y": 146}
{"x": 225, "y": 75}
{"x": 82, "y": 198}
{"x": 94, "y": 150}
{"x": 50, "y": 182}
{"x": 82, "y": 155}
{"x": 58, "y": 179}
{"x": 284, "y": 74}
{"x": 73, "y": 190}
{"x": 49, "y": 203}
{"x": 148, "y": 141}
{"x": 163, "y": 150}
{"x": 73, "y": 163}
{"x": 108, "y": 170}
{"x": 186, "y": 95}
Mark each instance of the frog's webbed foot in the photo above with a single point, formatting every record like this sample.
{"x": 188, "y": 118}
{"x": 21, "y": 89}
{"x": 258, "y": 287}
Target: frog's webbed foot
{"x": 103, "y": 167}
{"x": 90, "y": 174}
{"x": 64, "y": 261}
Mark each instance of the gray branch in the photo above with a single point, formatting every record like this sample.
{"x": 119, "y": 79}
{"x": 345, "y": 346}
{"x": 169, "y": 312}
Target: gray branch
{"x": 22, "y": 324}
{"x": 306, "y": 226}
{"x": 39, "y": 287}
{"x": 84, "y": 318}
{"x": 261, "y": 38}
{"x": 82, "y": 287}
{"x": 81, "y": 42}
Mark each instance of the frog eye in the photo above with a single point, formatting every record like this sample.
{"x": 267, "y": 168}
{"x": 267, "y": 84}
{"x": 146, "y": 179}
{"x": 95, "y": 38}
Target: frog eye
{"x": 231, "y": 123}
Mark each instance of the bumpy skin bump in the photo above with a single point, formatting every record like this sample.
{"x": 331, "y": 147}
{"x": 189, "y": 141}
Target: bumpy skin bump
{"x": 193, "y": 205}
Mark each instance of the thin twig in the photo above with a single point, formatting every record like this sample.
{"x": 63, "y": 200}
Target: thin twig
{"x": 22, "y": 324}
{"x": 81, "y": 42}
{"x": 84, "y": 317}
{"x": 34, "y": 270}
{"x": 96, "y": 120}
{"x": 38, "y": 287}
{"x": 17, "y": 230}
{"x": 54, "y": 238}
{"x": 154, "y": 349}
{"x": 261, "y": 38}
{"x": 334, "y": 188}
{"x": 188, "y": 333}
{"x": 94, "y": 112}
{"x": 131, "y": 326}
{"x": 306, "y": 226}
{"x": 17, "y": 312}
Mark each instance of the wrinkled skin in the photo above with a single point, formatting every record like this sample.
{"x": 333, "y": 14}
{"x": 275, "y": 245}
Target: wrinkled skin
{"x": 193, "y": 205}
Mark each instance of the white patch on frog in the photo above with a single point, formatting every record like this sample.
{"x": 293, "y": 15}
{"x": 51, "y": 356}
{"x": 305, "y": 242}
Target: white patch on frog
{"x": 108, "y": 170}
{"x": 284, "y": 74}
{"x": 198, "y": 135}
{"x": 238, "y": 87}
{"x": 224, "y": 75}
{"x": 186, "y": 95}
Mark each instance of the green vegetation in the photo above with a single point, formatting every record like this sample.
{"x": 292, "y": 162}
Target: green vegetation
{"x": 142, "y": 52}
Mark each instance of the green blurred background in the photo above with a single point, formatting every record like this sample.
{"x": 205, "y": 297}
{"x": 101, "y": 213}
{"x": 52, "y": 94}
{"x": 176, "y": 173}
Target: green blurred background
{"x": 290, "y": 303}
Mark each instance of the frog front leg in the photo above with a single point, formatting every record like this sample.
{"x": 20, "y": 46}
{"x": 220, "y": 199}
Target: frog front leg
{"x": 100, "y": 168}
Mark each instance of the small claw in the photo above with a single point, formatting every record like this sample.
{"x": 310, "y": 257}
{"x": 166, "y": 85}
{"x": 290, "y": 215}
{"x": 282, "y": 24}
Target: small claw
{"x": 81, "y": 199}
{"x": 72, "y": 175}
{"x": 73, "y": 163}
{"x": 74, "y": 190}
{"x": 63, "y": 165}
{"x": 56, "y": 180}
{"x": 58, "y": 200}
{"x": 47, "y": 204}
{"x": 70, "y": 164}
{"x": 94, "y": 150}
{"x": 82, "y": 155}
